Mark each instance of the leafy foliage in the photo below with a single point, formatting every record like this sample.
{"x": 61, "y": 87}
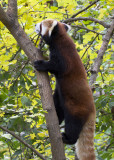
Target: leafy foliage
{"x": 20, "y": 103}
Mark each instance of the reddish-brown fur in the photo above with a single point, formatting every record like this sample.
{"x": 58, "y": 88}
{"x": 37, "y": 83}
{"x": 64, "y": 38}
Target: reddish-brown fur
{"x": 74, "y": 89}
{"x": 79, "y": 99}
{"x": 78, "y": 95}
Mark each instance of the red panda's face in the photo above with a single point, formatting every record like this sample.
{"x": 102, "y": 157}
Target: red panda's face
{"x": 46, "y": 27}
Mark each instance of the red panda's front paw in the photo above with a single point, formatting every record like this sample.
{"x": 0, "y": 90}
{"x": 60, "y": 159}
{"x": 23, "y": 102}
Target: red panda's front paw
{"x": 38, "y": 65}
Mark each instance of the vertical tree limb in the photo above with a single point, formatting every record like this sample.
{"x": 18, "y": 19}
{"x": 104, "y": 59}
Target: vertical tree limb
{"x": 43, "y": 80}
{"x": 98, "y": 61}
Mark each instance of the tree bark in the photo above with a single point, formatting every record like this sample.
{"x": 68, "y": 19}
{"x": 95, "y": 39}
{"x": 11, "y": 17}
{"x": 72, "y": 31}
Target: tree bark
{"x": 9, "y": 19}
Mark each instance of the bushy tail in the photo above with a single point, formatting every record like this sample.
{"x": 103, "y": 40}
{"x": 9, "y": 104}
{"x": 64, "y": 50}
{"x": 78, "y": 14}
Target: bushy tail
{"x": 85, "y": 143}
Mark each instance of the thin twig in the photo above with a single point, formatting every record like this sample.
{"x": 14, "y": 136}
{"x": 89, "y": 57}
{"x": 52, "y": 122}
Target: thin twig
{"x": 22, "y": 141}
{"x": 81, "y": 27}
{"x": 85, "y": 8}
{"x": 108, "y": 146}
{"x": 89, "y": 46}
{"x": 19, "y": 73}
{"x": 15, "y": 55}
{"x": 102, "y": 76}
{"x": 29, "y": 8}
{"x": 9, "y": 150}
{"x": 49, "y": 12}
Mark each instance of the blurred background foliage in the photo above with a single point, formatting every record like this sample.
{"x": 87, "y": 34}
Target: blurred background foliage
{"x": 20, "y": 103}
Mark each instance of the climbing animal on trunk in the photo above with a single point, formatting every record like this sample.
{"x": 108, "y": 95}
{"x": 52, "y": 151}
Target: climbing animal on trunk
{"x": 73, "y": 97}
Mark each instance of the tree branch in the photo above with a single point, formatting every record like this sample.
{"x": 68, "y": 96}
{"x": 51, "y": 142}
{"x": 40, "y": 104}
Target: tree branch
{"x": 98, "y": 61}
{"x": 12, "y": 9}
{"x": 85, "y": 8}
{"x": 86, "y": 19}
{"x": 22, "y": 141}
{"x": 81, "y": 27}
{"x": 43, "y": 82}
{"x": 108, "y": 146}
{"x": 4, "y": 17}
{"x": 23, "y": 66}
{"x": 89, "y": 45}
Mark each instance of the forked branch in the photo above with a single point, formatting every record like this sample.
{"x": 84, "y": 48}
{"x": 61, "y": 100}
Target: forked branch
{"x": 43, "y": 80}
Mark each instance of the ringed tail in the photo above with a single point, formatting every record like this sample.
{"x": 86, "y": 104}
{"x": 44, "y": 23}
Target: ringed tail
{"x": 85, "y": 143}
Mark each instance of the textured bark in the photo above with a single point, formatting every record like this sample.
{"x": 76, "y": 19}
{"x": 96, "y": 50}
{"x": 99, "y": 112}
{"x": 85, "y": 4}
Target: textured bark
{"x": 9, "y": 19}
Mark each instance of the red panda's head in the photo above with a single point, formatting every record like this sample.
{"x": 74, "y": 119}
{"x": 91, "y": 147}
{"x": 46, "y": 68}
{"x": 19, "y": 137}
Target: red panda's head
{"x": 51, "y": 28}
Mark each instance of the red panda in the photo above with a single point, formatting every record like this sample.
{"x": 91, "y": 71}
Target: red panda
{"x": 72, "y": 97}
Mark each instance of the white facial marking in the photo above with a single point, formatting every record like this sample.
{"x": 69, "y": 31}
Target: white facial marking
{"x": 44, "y": 29}
{"x": 69, "y": 27}
{"x": 52, "y": 27}
{"x": 37, "y": 27}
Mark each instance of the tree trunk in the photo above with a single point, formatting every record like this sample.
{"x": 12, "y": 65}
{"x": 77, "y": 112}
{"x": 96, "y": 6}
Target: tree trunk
{"x": 9, "y": 19}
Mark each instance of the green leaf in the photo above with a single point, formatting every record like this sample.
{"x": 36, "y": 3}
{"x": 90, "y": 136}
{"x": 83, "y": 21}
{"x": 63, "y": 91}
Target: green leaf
{"x": 25, "y": 101}
{"x": 8, "y": 136}
{"x": 22, "y": 82}
{"x": 18, "y": 152}
{"x": 111, "y": 103}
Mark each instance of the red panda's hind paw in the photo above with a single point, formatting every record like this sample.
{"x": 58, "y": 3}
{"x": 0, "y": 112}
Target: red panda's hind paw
{"x": 68, "y": 140}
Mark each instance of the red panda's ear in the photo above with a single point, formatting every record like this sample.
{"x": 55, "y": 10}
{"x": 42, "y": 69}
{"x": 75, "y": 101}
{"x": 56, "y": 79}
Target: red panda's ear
{"x": 67, "y": 27}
